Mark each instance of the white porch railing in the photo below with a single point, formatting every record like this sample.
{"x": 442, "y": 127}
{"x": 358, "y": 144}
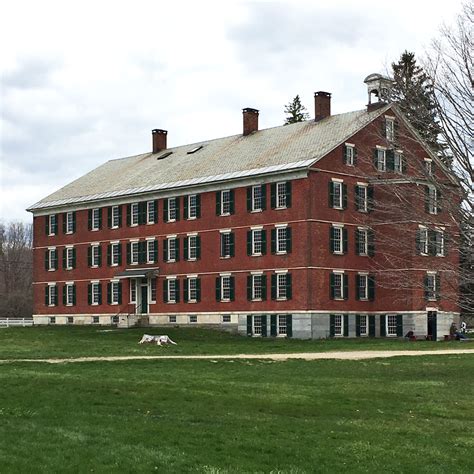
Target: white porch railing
{"x": 9, "y": 322}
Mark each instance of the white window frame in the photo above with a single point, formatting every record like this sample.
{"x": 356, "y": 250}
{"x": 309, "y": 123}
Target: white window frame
{"x": 340, "y": 276}
{"x": 440, "y": 233}
{"x": 193, "y": 319}
{"x": 424, "y": 240}
{"x": 192, "y": 289}
{"x": 338, "y": 239}
{"x": 281, "y": 197}
{"x": 69, "y": 222}
{"x": 171, "y": 251}
{"x": 338, "y": 325}
{"x": 281, "y": 239}
{"x": 134, "y": 252}
{"x": 257, "y": 289}
{"x": 152, "y": 290}
{"x": 225, "y": 287}
{"x": 52, "y": 251}
{"x": 225, "y": 243}
{"x": 363, "y": 200}
{"x": 257, "y": 198}
{"x": 398, "y": 161}
{"x": 349, "y": 151}
{"x": 432, "y": 200}
{"x": 391, "y": 325}
{"x": 363, "y": 323}
{"x": 382, "y": 160}
{"x": 192, "y": 206}
{"x": 257, "y": 241}
{"x": 172, "y": 211}
{"x": 172, "y": 319}
{"x": 134, "y": 214}
{"x": 150, "y": 212}
{"x": 192, "y": 247}
{"x": 363, "y": 277}
{"x": 281, "y": 282}
{"x": 52, "y": 294}
{"x": 282, "y": 327}
{"x": 150, "y": 251}
{"x": 171, "y": 293}
{"x": 114, "y": 292}
{"x": 226, "y": 318}
{"x": 114, "y": 253}
{"x": 133, "y": 290}
{"x": 115, "y": 217}
{"x": 431, "y": 286}
{"x": 257, "y": 325}
{"x": 52, "y": 223}
{"x": 95, "y": 293}
{"x": 337, "y": 185}
{"x": 363, "y": 237}
{"x": 225, "y": 202}
{"x": 390, "y": 129}
{"x": 69, "y": 257}
{"x": 95, "y": 221}
{"x": 69, "y": 293}
{"x": 95, "y": 255}
{"x": 428, "y": 166}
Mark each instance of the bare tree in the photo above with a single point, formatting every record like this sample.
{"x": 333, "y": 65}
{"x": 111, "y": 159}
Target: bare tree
{"x": 16, "y": 267}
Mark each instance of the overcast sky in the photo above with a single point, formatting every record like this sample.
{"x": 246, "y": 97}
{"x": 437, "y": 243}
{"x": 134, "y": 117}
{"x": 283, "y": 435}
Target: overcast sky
{"x": 85, "y": 82}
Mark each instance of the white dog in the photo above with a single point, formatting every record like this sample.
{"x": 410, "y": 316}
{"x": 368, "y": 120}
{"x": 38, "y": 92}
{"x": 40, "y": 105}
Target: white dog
{"x": 158, "y": 340}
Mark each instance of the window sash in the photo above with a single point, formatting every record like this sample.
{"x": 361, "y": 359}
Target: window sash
{"x": 192, "y": 289}
{"x": 257, "y": 325}
{"x": 389, "y": 129}
{"x": 171, "y": 249}
{"x": 281, "y": 199}
{"x": 150, "y": 212}
{"x": 134, "y": 214}
{"x": 69, "y": 222}
{"x": 338, "y": 243}
{"x": 363, "y": 241}
{"x": 114, "y": 293}
{"x": 349, "y": 155}
{"x": 281, "y": 286}
{"x": 338, "y": 325}
{"x": 256, "y": 242}
{"x": 52, "y": 224}
{"x": 337, "y": 192}
{"x": 134, "y": 251}
{"x": 133, "y": 291}
{"x": 225, "y": 202}
{"x": 172, "y": 290}
{"x": 95, "y": 219}
{"x": 150, "y": 250}
{"x": 391, "y": 325}
{"x": 115, "y": 217}
{"x": 432, "y": 200}
{"x": 363, "y": 325}
{"x": 69, "y": 294}
{"x": 192, "y": 206}
{"x": 363, "y": 287}
{"x": 381, "y": 160}
{"x": 257, "y": 287}
{"x": 225, "y": 244}
{"x": 95, "y": 293}
{"x": 172, "y": 209}
{"x": 398, "y": 162}
{"x": 282, "y": 329}
{"x": 192, "y": 247}
{"x": 338, "y": 287}
{"x": 52, "y": 259}
{"x": 69, "y": 258}
{"x": 52, "y": 295}
{"x": 424, "y": 241}
{"x": 362, "y": 203}
{"x": 281, "y": 240}
{"x": 256, "y": 198}
{"x": 225, "y": 288}
{"x": 439, "y": 243}
{"x": 114, "y": 254}
{"x": 431, "y": 286}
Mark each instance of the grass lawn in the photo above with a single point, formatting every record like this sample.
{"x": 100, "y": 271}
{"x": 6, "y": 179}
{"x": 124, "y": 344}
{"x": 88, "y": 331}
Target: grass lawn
{"x": 394, "y": 415}
{"x": 70, "y": 341}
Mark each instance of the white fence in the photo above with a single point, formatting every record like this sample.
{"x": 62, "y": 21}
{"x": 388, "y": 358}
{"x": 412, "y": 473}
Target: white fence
{"x": 9, "y": 322}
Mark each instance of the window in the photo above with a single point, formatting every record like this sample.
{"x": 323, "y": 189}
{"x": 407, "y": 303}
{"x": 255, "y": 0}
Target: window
{"x": 227, "y": 244}
{"x": 257, "y": 198}
{"x": 52, "y": 295}
{"x": 115, "y": 217}
{"x": 52, "y": 224}
{"x": 115, "y": 254}
{"x": 51, "y": 262}
{"x": 339, "y": 285}
{"x": 338, "y": 240}
{"x": 361, "y": 198}
{"x": 432, "y": 198}
{"x": 226, "y": 318}
{"x": 390, "y": 129}
{"x": 95, "y": 255}
{"x": 115, "y": 292}
{"x": 362, "y": 241}
{"x": 70, "y": 320}
{"x": 428, "y": 166}
{"x": 337, "y": 194}
{"x": 172, "y": 290}
{"x": 282, "y": 329}
{"x": 281, "y": 196}
{"x": 225, "y": 202}
{"x": 362, "y": 287}
{"x": 257, "y": 242}
{"x": 257, "y": 287}
{"x": 349, "y": 154}
{"x": 432, "y": 286}
{"x": 150, "y": 212}
{"x": 192, "y": 207}
{"x": 398, "y": 162}
{"x": 134, "y": 214}
{"x": 52, "y": 320}
{"x": 192, "y": 283}
{"x": 438, "y": 243}
{"x": 134, "y": 252}
{"x": 172, "y": 210}
{"x": 153, "y": 290}
{"x": 171, "y": 249}
{"x": 381, "y": 155}
{"x": 69, "y": 222}
{"x": 133, "y": 291}
{"x": 258, "y": 325}
{"x": 193, "y": 318}
{"x": 114, "y": 320}
{"x": 225, "y": 288}
{"x": 95, "y": 293}
{"x": 70, "y": 258}
{"x": 172, "y": 319}
{"x": 282, "y": 240}
{"x": 151, "y": 250}
{"x": 338, "y": 325}
{"x": 363, "y": 324}
{"x": 392, "y": 324}
{"x": 95, "y": 319}
{"x": 422, "y": 243}
{"x": 282, "y": 286}
{"x": 192, "y": 247}
{"x": 96, "y": 219}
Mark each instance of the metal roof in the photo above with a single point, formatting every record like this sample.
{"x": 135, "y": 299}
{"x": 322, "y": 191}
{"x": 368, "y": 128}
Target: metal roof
{"x": 282, "y": 148}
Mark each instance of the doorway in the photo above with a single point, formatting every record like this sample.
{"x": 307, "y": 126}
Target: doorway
{"x": 432, "y": 326}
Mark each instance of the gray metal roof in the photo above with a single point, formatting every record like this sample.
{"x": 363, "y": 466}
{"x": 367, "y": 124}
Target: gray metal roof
{"x": 267, "y": 151}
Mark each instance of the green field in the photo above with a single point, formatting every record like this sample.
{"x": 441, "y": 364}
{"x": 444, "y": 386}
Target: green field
{"x": 67, "y": 341}
{"x": 225, "y": 416}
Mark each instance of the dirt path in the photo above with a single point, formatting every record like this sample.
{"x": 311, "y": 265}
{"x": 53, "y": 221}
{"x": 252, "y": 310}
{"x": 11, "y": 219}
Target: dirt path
{"x": 352, "y": 355}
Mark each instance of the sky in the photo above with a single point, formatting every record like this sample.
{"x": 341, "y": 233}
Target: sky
{"x": 85, "y": 82}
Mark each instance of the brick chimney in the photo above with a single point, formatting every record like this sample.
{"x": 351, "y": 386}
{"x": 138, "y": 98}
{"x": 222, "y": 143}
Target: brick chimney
{"x": 159, "y": 139}
{"x": 250, "y": 120}
{"x": 322, "y": 105}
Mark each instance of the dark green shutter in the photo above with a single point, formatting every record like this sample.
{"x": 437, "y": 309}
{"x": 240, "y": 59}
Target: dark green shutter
{"x": 177, "y": 201}
{"x": 438, "y": 201}
{"x": 89, "y": 256}
{"x": 100, "y": 217}
{"x": 46, "y": 224}
{"x": 344, "y": 241}
{"x": 264, "y": 242}
{"x": 165, "y": 250}
{"x": 119, "y": 292}
{"x": 345, "y": 279}
{"x": 273, "y": 240}
{"x": 165, "y": 291}
{"x": 357, "y": 316}
{"x": 390, "y": 160}
{"x": 64, "y": 257}
{"x": 64, "y": 218}
{"x": 176, "y": 286}
{"x": 273, "y": 325}
{"x": 74, "y": 294}
{"x": 264, "y": 287}
{"x": 371, "y": 289}
{"x": 355, "y": 156}
{"x": 263, "y": 318}
{"x": 186, "y": 248}
{"x": 109, "y": 254}
{"x": 438, "y": 287}
{"x": 332, "y": 325}
{"x": 331, "y": 286}
{"x": 177, "y": 239}
{"x": 100, "y": 293}
{"x": 399, "y": 325}
{"x": 346, "y": 325}
{"x": 357, "y": 287}
{"x": 249, "y": 325}
{"x": 198, "y": 289}
{"x": 142, "y": 212}
{"x": 55, "y": 259}
{"x": 109, "y": 293}
{"x": 232, "y": 244}
{"x": 129, "y": 253}
{"x": 426, "y": 287}
{"x": 249, "y": 287}
{"x": 370, "y": 199}
{"x": 376, "y": 158}
{"x": 274, "y": 286}
{"x": 73, "y": 258}
{"x": 186, "y": 207}
{"x": 232, "y": 201}
{"x": 46, "y": 259}
{"x": 232, "y": 288}
{"x": 218, "y": 289}
{"x": 357, "y": 240}
{"x": 46, "y": 295}
{"x": 371, "y": 242}
{"x": 155, "y": 212}
{"x": 427, "y": 199}
{"x": 249, "y": 198}
{"x": 273, "y": 195}
{"x": 129, "y": 214}
{"x": 288, "y": 240}
{"x": 142, "y": 252}
{"x": 249, "y": 242}
{"x": 99, "y": 263}
{"x": 119, "y": 216}
{"x": 185, "y": 290}
{"x": 357, "y": 200}
{"x": 119, "y": 253}
{"x": 64, "y": 295}
{"x": 332, "y": 239}
{"x": 289, "y": 325}
{"x": 288, "y": 194}
{"x": 89, "y": 219}
{"x": 344, "y": 154}
{"x": 344, "y": 196}
{"x": 289, "y": 287}
{"x": 383, "y": 331}
{"x": 418, "y": 241}
{"x": 331, "y": 194}
{"x": 89, "y": 293}
{"x": 198, "y": 247}
{"x": 165, "y": 210}
{"x": 198, "y": 205}
{"x": 109, "y": 217}
{"x": 264, "y": 196}
{"x": 218, "y": 203}
{"x": 371, "y": 326}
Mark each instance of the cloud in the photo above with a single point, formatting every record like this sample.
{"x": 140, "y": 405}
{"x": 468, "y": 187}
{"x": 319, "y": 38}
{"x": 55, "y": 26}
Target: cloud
{"x": 30, "y": 73}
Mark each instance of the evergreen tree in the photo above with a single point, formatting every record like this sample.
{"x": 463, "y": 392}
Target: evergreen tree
{"x": 415, "y": 97}
{"x": 296, "y": 111}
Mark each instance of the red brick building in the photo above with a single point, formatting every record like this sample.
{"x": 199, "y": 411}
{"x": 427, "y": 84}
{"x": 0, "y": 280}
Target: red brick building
{"x": 283, "y": 231}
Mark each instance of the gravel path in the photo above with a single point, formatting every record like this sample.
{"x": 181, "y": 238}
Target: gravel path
{"x": 350, "y": 355}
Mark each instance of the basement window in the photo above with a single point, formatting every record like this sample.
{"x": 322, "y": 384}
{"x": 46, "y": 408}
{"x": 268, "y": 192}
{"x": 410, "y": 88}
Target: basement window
{"x": 195, "y": 149}
{"x": 164, "y": 155}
